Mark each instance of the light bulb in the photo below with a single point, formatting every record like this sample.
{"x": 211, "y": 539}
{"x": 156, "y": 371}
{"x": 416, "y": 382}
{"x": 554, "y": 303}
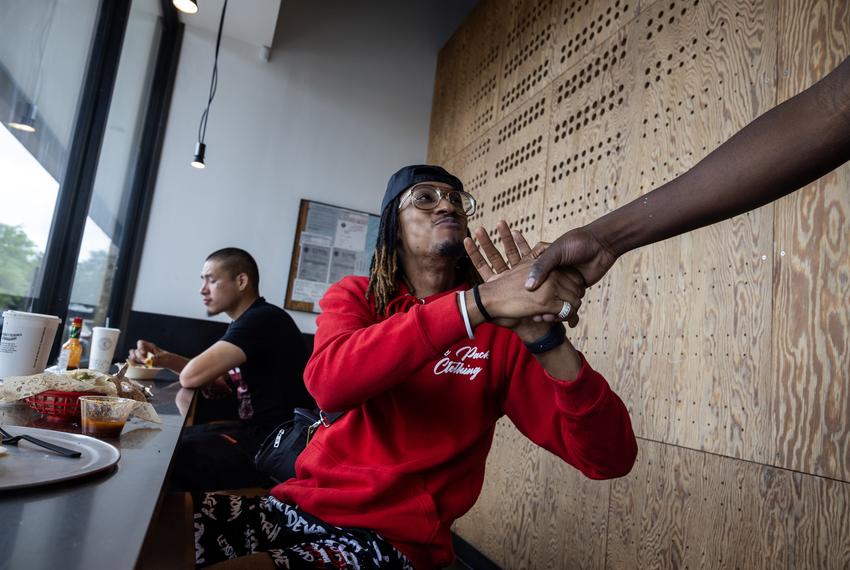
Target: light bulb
{"x": 186, "y": 6}
{"x": 200, "y": 151}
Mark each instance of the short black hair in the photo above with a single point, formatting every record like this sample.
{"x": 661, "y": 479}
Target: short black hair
{"x": 236, "y": 261}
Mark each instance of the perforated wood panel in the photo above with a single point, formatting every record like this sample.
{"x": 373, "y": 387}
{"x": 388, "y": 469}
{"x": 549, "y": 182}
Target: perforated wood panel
{"x": 474, "y": 167}
{"x": 444, "y": 137}
{"x": 586, "y": 176}
{"x": 704, "y": 300}
{"x": 466, "y": 106}
{"x": 484, "y": 32}
{"x": 731, "y": 340}
{"x": 518, "y": 162}
{"x": 527, "y": 53}
{"x": 810, "y": 406}
{"x": 582, "y": 25}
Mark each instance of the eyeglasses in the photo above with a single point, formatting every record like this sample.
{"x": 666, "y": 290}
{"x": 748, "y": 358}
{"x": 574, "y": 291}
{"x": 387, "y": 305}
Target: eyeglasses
{"x": 426, "y": 197}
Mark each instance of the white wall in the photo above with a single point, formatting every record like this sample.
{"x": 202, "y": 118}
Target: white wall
{"x": 344, "y": 101}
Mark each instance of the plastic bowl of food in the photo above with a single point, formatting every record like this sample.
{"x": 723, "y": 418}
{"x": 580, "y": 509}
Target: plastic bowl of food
{"x": 105, "y": 416}
{"x": 142, "y": 372}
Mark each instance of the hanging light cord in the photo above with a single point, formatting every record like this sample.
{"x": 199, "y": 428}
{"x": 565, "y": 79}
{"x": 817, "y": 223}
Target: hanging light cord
{"x": 42, "y": 45}
{"x": 202, "y": 128}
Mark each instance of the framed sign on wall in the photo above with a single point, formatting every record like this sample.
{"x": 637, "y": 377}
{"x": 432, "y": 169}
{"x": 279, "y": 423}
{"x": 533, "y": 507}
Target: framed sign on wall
{"x": 330, "y": 243}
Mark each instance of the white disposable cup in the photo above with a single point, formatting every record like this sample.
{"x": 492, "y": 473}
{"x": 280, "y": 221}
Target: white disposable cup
{"x": 26, "y": 342}
{"x": 103, "y": 342}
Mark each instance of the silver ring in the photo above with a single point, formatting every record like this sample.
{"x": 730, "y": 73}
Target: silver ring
{"x": 565, "y": 311}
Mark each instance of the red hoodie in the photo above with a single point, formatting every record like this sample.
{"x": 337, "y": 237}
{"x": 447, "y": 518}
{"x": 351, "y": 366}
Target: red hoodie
{"x": 422, "y": 401}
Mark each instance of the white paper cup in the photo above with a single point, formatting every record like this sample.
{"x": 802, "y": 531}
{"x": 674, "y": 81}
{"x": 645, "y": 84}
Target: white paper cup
{"x": 103, "y": 342}
{"x": 26, "y": 342}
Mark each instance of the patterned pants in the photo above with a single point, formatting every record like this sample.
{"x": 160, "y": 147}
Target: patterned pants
{"x": 229, "y": 526}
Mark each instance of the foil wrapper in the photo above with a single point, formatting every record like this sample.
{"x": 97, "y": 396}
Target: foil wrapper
{"x": 16, "y": 388}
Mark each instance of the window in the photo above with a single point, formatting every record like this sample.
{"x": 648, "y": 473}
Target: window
{"x": 93, "y": 78}
{"x": 109, "y": 207}
{"x": 44, "y": 49}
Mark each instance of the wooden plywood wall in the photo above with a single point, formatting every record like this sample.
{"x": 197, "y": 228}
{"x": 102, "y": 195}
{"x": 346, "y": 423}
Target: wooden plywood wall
{"x": 729, "y": 345}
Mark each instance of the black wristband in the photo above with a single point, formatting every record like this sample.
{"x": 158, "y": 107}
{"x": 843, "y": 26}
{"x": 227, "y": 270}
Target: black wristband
{"x": 554, "y": 338}
{"x": 477, "y": 296}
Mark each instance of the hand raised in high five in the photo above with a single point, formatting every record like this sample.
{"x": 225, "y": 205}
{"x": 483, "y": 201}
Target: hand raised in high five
{"x": 518, "y": 254}
{"x": 517, "y": 251}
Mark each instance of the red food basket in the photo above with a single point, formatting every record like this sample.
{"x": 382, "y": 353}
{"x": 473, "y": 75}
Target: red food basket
{"x": 57, "y": 405}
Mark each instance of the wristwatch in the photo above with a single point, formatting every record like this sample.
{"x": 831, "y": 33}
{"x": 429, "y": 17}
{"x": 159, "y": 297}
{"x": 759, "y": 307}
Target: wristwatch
{"x": 554, "y": 338}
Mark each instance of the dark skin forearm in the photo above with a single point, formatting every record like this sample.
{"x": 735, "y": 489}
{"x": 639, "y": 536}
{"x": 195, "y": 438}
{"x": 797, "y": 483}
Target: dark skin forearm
{"x": 788, "y": 147}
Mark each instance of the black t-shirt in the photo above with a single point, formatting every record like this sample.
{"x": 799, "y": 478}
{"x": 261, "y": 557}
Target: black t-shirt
{"x": 270, "y": 383}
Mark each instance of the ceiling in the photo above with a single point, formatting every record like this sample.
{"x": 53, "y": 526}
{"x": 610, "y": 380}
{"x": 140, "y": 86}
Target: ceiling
{"x": 254, "y": 21}
{"x": 251, "y": 21}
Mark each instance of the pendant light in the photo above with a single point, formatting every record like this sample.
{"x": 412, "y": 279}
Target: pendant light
{"x": 186, "y": 6}
{"x": 200, "y": 147}
{"x": 26, "y": 121}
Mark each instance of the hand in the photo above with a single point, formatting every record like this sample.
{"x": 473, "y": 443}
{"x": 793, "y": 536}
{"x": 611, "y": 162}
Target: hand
{"x": 516, "y": 247}
{"x": 517, "y": 251}
{"x": 217, "y": 389}
{"x": 518, "y": 254}
{"x": 140, "y": 353}
{"x": 507, "y": 298}
{"x": 578, "y": 248}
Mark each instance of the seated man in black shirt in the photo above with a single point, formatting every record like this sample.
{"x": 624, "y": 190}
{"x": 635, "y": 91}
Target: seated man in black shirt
{"x": 261, "y": 355}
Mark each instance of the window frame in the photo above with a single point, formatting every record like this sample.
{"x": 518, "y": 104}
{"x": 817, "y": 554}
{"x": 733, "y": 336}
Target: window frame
{"x": 76, "y": 189}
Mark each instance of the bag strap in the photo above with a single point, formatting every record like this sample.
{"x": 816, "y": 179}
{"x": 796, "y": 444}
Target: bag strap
{"x": 324, "y": 420}
{"x": 328, "y": 419}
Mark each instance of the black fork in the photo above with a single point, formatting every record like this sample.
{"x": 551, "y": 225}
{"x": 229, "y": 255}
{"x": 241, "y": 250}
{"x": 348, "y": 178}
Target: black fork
{"x": 10, "y": 439}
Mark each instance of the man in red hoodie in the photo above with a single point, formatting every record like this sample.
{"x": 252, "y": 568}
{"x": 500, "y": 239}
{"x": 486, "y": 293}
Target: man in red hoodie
{"x": 423, "y": 359}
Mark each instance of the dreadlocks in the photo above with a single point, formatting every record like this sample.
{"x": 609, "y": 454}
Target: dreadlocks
{"x": 384, "y": 271}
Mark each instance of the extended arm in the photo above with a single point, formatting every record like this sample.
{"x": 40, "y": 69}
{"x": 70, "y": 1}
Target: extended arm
{"x": 358, "y": 356}
{"x": 173, "y": 362}
{"x": 583, "y": 422}
{"x": 210, "y": 364}
{"x": 781, "y": 151}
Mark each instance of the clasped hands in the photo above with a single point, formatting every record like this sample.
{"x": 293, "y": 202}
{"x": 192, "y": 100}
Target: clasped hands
{"x": 503, "y": 292}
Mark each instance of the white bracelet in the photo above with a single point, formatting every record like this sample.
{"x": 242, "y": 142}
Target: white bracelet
{"x": 465, "y": 314}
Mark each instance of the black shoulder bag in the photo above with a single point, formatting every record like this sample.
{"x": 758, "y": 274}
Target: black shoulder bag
{"x": 278, "y": 452}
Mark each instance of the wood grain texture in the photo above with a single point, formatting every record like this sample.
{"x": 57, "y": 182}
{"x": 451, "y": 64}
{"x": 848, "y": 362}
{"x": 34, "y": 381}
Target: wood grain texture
{"x": 517, "y": 163}
{"x": 526, "y": 53}
{"x": 587, "y": 176}
{"x": 731, "y": 340}
{"x": 535, "y": 511}
{"x": 810, "y": 402}
{"x": 581, "y": 26}
{"x": 443, "y": 138}
{"x": 478, "y": 91}
{"x": 822, "y": 522}
{"x": 464, "y": 106}
{"x": 704, "y": 302}
{"x": 681, "y": 508}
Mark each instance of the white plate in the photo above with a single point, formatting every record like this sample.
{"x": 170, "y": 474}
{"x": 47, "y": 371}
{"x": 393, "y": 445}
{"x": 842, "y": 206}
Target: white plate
{"x": 28, "y": 465}
{"x": 142, "y": 373}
